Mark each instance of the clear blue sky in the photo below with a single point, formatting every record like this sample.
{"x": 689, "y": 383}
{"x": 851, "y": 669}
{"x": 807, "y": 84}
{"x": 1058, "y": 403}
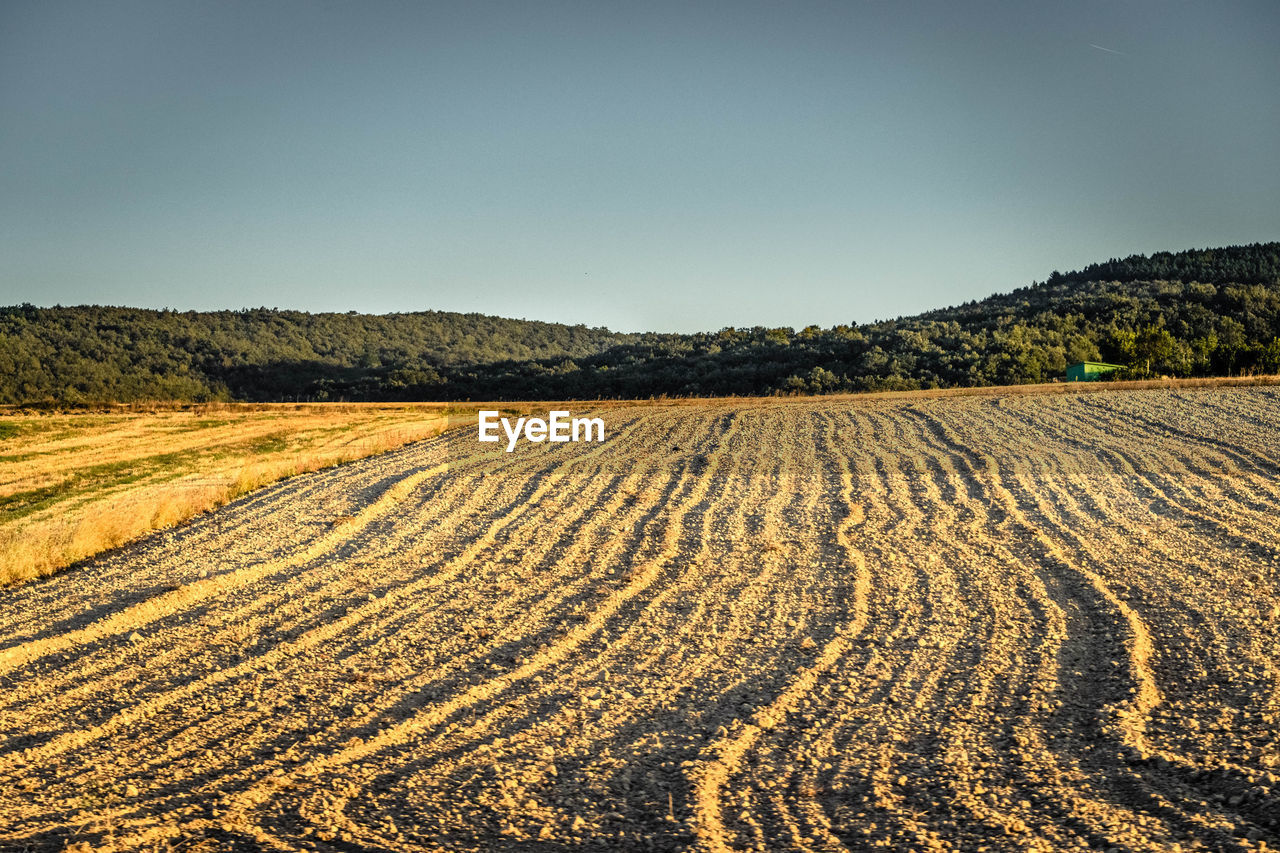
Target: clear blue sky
{"x": 641, "y": 165}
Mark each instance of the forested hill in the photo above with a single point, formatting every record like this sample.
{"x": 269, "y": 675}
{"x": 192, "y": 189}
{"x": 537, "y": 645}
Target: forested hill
{"x": 104, "y": 353}
{"x": 1201, "y": 312}
{"x": 1254, "y": 264}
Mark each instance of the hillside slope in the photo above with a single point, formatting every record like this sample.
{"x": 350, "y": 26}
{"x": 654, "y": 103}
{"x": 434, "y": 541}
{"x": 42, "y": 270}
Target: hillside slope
{"x": 1194, "y": 313}
{"x": 111, "y": 353}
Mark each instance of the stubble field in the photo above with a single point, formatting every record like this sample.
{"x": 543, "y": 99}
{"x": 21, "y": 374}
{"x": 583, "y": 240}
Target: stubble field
{"x": 75, "y": 484}
{"x": 1041, "y": 622}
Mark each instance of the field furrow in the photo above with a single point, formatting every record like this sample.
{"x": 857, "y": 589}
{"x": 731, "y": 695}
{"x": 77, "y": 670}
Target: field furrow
{"x": 1016, "y": 622}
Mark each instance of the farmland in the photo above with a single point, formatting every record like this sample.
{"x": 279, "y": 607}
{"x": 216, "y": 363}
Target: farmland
{"x": 74, "y": 484}
{"x": 1002, "y": 622}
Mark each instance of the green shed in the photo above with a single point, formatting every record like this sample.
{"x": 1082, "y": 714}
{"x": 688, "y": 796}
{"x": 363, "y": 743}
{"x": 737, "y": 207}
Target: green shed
{"x": 1090, "y": 371}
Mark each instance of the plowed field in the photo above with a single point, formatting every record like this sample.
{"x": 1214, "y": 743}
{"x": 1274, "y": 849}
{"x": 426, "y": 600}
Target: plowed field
{"x": 1002, "y": 623}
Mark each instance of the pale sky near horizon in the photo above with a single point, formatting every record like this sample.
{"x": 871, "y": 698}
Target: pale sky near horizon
{"x": 643, "y": 166}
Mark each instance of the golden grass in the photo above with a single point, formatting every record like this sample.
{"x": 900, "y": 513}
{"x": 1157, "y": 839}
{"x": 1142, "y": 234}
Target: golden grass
{"x": 75, "y": 484}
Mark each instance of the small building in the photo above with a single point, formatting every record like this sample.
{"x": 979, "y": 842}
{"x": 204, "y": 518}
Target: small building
{"x": 1090, "y": 371}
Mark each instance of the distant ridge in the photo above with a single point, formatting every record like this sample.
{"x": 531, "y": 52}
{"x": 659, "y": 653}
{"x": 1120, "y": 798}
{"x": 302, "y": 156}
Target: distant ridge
{"x": 1199, "y": 312}
{"x": 1255, "y": 263}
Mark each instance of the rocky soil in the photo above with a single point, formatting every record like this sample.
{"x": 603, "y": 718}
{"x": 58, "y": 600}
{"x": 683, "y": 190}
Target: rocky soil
{"x": 980, "y": 623}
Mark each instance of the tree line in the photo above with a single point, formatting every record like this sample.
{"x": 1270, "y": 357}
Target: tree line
{"x": 1196, "y": 313}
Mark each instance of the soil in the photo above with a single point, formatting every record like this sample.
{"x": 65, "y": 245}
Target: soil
{"x": 1040, "y": 622}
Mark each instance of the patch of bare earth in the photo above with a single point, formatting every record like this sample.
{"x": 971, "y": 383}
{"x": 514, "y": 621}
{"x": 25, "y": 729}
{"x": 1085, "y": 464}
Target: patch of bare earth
{"x": 1024, "y": 622}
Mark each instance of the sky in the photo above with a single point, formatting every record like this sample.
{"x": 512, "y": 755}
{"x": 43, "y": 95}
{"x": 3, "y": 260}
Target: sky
{"x": 659, "y": 166}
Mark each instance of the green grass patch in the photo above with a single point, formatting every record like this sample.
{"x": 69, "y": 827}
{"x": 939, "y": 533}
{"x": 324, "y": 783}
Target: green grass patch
{"x": 277, "y": 443}
{"x": 108, "y": 475}
{"x": 21, "y": 504}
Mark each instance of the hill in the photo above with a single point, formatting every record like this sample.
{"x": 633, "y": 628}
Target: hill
{"x": 90, "y": 353}
{"x": 1194, "y": 313}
